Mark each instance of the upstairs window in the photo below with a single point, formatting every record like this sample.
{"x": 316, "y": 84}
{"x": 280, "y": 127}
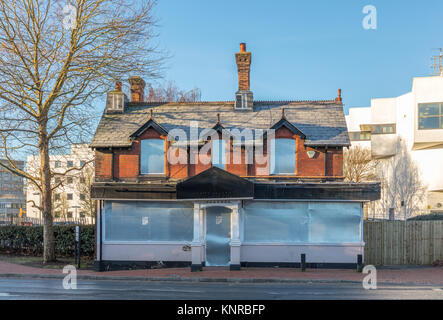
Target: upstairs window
{"x": 152, "y": 158}
{"x": 360, "y": 136}
{"x": 430, "y": 116}
{"x": 283, "y": 156}
{"x": 383, "y": 128}
{"x": 218, "y": 154}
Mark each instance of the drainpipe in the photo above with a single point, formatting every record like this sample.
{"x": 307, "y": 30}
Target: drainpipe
{"x": 326, "y": 161}
{"x": 112, "y": 164}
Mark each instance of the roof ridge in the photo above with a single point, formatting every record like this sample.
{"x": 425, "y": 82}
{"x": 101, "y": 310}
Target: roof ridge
{"x": 134, "y": 104}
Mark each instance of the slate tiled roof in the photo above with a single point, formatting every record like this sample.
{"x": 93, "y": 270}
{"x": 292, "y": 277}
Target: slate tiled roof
{"x": 323, "y": 122}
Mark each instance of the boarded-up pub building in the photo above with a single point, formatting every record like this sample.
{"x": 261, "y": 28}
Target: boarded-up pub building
{"x": 186, "y": 184}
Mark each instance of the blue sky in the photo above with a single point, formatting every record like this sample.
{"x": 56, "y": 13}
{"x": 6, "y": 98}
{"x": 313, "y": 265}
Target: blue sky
{"x": 300, "y": 49}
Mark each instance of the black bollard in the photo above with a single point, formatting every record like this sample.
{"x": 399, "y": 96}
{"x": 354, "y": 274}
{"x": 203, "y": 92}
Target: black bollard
{"x": 359, "y": 263}
{"x": 303, "y": 262}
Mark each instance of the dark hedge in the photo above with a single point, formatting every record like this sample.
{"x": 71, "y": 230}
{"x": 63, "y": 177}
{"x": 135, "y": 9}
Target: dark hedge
{"x": 427, "y": 217}
{"x": 29, "y": 240}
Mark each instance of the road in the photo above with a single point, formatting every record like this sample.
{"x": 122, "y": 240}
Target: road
{"x": 49, "y": 289}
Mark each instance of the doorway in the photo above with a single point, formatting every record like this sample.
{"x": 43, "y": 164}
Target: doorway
{"x": 218, "y": 236}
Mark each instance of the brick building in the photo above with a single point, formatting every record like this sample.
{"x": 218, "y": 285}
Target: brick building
{"x": 224, "y": 183}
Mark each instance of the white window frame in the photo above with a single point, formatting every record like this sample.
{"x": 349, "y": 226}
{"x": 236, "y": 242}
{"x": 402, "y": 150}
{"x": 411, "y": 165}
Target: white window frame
{"x": 273, "y": 155}
{"x": 223, "y": 155}
{"x": 145, "y": 157}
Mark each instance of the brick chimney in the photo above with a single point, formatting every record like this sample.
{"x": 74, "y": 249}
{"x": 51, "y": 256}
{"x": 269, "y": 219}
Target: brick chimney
{"x": 243, "y": 97}
{"x": 137, "y": 89}
{"x": 243, "y": 60}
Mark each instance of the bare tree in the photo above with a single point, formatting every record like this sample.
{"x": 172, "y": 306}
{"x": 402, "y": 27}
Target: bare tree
{"x": 401, "y": 186}
{"x": 358, "y": 164}
{"x": 55, "y": 61}
{"x": 61, "y": 205}
{"x": 171, "y": 93}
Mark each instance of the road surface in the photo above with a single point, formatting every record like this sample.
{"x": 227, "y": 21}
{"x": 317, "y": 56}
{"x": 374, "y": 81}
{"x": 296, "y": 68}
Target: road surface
{"x": 49, "y": 289}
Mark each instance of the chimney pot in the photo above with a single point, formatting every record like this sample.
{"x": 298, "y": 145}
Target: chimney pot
{"x": 242, "y": 47}
{"x": 339, "y": 98}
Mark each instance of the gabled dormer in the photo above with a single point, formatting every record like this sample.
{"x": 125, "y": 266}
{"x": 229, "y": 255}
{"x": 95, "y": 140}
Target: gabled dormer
{"x": 283, "y": 122}
{"x": 151, "y": 123}
{"x": 152, "y": 138}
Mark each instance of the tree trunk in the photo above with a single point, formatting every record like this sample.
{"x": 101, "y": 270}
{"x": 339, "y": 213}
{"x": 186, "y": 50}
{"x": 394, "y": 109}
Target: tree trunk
{"x": 46, "y": 198}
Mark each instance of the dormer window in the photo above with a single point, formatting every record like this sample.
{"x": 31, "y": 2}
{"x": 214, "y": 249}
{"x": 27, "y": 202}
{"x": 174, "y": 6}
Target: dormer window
{"x": 218, "y": 154}
{"x": 282, "y": 157}
{"x": 115, "y": 102}
{"x": 152, "y": 158}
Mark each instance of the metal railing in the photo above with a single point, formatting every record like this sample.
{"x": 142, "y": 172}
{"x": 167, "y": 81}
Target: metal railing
{"x": 26, "y": 221}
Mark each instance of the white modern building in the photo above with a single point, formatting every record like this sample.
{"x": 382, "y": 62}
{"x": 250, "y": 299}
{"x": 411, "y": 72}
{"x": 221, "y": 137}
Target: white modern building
{"x": 12, "y": 197}
{"x": 71, "y": 198}
{"x": 417, "y": 118}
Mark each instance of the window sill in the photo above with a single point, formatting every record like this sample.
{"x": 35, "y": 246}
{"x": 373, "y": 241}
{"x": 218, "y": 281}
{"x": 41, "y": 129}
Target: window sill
{"x": 156, "y": 176}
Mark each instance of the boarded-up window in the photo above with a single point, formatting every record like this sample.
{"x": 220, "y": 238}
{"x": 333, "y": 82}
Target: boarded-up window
{"x": 148, "y": 221}
{"x": 276, "y": 222}
{"x": 312, "y": 222}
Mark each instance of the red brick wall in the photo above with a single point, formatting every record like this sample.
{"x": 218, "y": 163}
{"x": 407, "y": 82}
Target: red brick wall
{"x": 103, "y": 165}
{"x": 126, "y": 162}
{"x": 314, "y": 166}
{"x": 178, "y": 170}
{"x": 305, "y": 166}
{"x": 200, "y": 163}
{"x": 337, "y": 163}
{"x": 240, "y": 169}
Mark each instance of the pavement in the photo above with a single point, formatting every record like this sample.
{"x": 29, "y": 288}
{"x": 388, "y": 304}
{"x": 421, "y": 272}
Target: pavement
{"x": 413, "y": 275}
